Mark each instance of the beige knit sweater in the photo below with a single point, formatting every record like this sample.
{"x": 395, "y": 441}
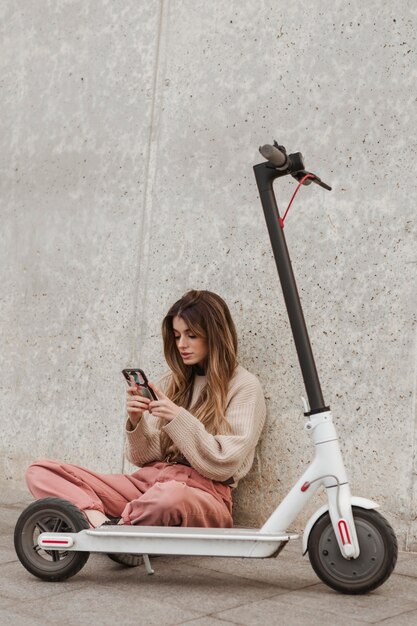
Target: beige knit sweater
{"x": 218, "y": 457}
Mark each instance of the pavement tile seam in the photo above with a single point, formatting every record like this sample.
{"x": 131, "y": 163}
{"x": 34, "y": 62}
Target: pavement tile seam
{"x": 273, "y": 592}
{"x": 218, "y": 614}
{"x": 325, "y": 617}
{"x": 235, "y": 603}
{"x": 248, "y": 577}
{"x": 282, "y": 586}
{"x": 256, "y": 583}
{"x": 333, "y": 610}
{"x": 277, "y": 592}
{"x": 18, "y": 613}
{"x": 8, "y": 562}
{"x": 26, "y": 611}
{"x": 278, "y": 589}
{"x": 405, "y": 575}
{"x": 210, "y": 616}
{"x": 396, "y": 616}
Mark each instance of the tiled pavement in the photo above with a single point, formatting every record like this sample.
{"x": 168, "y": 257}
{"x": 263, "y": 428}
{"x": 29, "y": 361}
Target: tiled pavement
{"x": 197, "y": 591}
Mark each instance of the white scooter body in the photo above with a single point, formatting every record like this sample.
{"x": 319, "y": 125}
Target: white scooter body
{"x": 327, "y": 469}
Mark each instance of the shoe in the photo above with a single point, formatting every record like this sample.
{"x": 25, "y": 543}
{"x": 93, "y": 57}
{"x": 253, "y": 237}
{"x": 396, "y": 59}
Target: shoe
{"x": 113, "y": 521}
{"x": 130, "y": 560}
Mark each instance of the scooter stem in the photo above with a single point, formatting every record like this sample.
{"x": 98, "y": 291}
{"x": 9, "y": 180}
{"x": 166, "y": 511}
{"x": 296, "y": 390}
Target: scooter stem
{"x": 265, "y": 175}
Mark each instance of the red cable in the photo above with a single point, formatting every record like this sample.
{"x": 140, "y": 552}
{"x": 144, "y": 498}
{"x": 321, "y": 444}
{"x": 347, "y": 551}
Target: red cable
{"x": 282, "y": 219}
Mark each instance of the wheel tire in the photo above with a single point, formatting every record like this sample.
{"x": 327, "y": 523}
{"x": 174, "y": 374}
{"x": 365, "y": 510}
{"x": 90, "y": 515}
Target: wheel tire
{"x": 49, "y": 515}
{"x": 377, "y": 559}
{"x": 129, "y": 560}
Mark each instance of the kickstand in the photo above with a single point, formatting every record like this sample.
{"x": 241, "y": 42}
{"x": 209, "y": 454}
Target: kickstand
{"x": 147, "y": 564}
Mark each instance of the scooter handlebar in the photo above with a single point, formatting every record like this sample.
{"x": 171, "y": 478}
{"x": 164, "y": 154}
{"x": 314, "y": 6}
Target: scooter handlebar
{"x": 274, "y": 155}
{"x": 290, "y": 164}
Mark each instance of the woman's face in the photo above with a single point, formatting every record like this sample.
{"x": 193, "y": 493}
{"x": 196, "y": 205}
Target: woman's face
{"x": 193, "y": 350}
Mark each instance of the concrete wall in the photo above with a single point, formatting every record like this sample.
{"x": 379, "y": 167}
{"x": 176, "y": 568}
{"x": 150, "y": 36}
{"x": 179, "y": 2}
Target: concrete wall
{"x": 128, "y": 135}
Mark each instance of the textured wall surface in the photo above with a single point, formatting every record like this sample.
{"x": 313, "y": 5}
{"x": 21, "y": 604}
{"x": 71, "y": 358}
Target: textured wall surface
{"x": 128, "y": 135}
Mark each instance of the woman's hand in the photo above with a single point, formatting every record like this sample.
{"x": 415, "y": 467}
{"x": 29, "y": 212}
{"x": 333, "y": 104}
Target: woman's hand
{"x": 163, "y": 408}
{"x": 136, "y": 404}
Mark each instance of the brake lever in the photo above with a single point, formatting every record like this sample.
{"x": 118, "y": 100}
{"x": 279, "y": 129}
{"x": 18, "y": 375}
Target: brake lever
{"x": 312, "y": 179}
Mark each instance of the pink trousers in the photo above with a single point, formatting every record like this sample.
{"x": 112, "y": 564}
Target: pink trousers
{"x": 158, "y": 494}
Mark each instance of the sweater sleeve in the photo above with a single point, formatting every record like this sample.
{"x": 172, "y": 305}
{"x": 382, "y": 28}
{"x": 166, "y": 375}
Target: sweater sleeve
{"x": 143, "y": 443}
{"x": 220, "y": 457}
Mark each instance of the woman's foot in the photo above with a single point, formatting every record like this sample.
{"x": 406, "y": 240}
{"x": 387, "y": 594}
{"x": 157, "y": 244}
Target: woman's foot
{"x": 96, "y": 518}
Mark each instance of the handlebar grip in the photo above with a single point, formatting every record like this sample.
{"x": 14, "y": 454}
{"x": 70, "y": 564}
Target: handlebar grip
{"x": 274, "y": 155}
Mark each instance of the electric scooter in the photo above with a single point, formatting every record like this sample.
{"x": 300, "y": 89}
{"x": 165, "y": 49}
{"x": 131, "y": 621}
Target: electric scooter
{"x": 351, "y": 547}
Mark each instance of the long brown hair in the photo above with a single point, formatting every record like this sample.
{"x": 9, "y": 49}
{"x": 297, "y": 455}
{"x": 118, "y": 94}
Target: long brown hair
{"x": 206, "y": 315}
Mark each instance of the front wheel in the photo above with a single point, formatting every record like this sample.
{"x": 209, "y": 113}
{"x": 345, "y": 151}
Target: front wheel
{"x": 377, "y": 559}
{"x": 49, "y": 515}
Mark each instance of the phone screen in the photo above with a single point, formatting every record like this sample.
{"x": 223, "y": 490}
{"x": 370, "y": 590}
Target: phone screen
{"x": 140, "y": 379}
{"x": 137, "y": 377}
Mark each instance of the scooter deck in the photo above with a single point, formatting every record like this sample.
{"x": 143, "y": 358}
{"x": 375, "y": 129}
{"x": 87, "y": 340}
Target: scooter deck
{"x": 246, "y": 542}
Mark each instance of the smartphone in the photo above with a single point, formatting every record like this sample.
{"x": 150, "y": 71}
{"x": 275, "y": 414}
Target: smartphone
{"x": 139, "y": 377}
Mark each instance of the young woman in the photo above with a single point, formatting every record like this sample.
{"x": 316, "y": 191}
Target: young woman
{"x": 192, "y": 445}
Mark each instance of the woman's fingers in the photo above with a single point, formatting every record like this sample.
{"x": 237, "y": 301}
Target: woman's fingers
{"x": 143, "y": 403}
{"x": 163, "y": 408}
{"x": 158, "y": 392}
{"x": 136, "y": 403}
{"x": 138, "y": 400}
{"x": 135, "y": 393}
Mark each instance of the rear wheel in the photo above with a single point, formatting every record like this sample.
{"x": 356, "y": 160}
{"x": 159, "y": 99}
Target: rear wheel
{"x": 49, "y": 515}
{"x": 377, "y": 559}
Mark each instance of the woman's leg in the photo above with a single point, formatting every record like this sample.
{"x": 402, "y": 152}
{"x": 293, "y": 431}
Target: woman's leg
{"x": 174, "y": 503}
{"x": 98, "y": 495}
{"x": 158, "y": 494}
{"x": 176, "y": 495}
